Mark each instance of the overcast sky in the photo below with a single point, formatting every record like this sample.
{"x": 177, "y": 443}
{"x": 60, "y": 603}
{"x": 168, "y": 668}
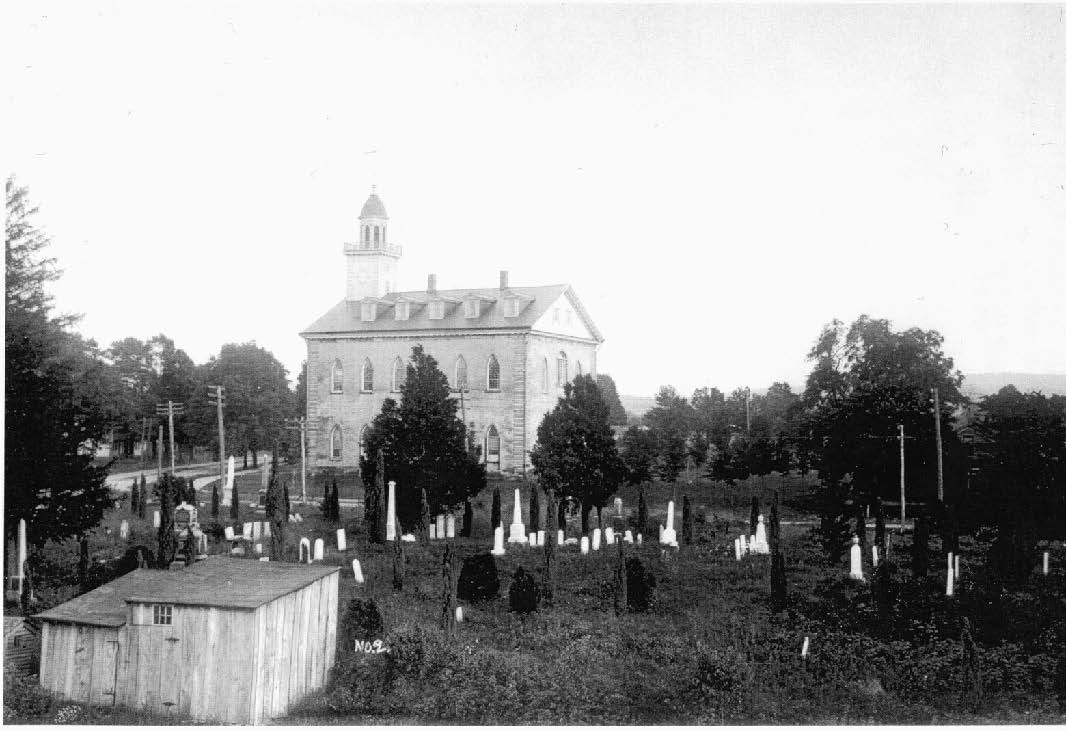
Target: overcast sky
{"x": 716, "y": 182}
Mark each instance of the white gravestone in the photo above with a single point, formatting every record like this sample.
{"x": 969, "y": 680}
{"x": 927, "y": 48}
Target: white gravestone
{"x": 608, "y": 535}
{"x": 264, "y": 558}
{"x": 958, "y": 566}
{"x": 669, "y": 534}
{"x": 1045, "y": 562}
{"x": 640, "y": 539}
{"x": 458, "y": 614}
{"x": 761, "y": 546}
{"x": 342, "y": 540}
{"x": 305, "y": 543}
{"x": 618, "y": 506}
{"x": 320, "y": 549}
{"x": 230, "y": 536}
{"x": 266, "y": 529}
{"x": 357, "y": 571}
{"x": 408, "y": 538}
{"x": 562, "y": 537}
{"x": 806, "y": 647}
{"x": 743, "y": 545}
{"x": 124, "y": 530}
{"x": 584, "y": 545}
{"x": 497, "y": 541}
{"x": 949, "y": 590}
{"x": 856, "y": 559}
{"x": 736, "y": 548}
{"x": 258, "y": 549}
{"x": 432, "y": 531}
{"x": 449, "y": 526}
{"x": 596, "y": 539}
{"x": 155, "y": 519}
{"x": 390, "y": 514}
{"x": 440, "y": 526}
{"x": 571, "y": 542}
{"x": 247, "y": 531}
{"x": 257, "y": 530}
{"x": 873, "y": 555}
{"x": 628, "y": 538}
{"x": 22, "y": 547}
{"x": 540, "y": 537}
{"x": 518, "y": 529}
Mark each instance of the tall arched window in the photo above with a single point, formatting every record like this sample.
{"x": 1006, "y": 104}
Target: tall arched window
{"x": 493, "y": 376}
{"x": 460, "y": 373}
{"x": 368, "y": 376}
{"x": 399, "y": 374}
{"x": 366, "y": 234}
{"x": 336, "y": 443}
{"x": 377, "y": 235}
{"x": 544, "y": 377}
{"x": 336, "y": 381}
{"x": 561, "y": 376}
{"x": 492, "y": 448}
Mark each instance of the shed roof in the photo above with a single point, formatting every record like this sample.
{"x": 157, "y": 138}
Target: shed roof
{"x": 217, "y": 581}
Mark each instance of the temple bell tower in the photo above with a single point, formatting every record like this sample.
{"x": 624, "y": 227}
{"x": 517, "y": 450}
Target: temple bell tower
{"x": 372, "y": 260}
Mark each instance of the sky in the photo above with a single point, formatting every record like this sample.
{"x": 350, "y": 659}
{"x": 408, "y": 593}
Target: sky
{"x": 717, "y": 182}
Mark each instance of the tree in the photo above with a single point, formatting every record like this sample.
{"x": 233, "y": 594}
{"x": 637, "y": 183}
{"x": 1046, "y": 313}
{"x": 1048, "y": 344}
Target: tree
{"x": 616, "y": 412}
{"x": 575, "y": 454}
{"x": 167, "y": 489}
{"x": 278, "y": 515}
{"x": 57, "y": 390}
{"x": 424, "y": 443}
{"x": 468, "y": 519}
{"x": 670, "y": 423}
{"x": 534, "y": 509}
{"x": 638, "y": 450}
{"x": 868, "y": 379}
{"x": 642, "y": 512}
{"x": 496, "y": 517}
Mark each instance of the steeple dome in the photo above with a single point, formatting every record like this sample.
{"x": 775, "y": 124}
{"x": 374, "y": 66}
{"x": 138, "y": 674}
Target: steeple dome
{"x": 372, "y": 259}
{"x": 373, "y": 208}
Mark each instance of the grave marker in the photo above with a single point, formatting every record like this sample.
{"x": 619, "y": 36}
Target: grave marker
{"x": 856, "y": 559}
{"x": 540, "y": 537}
{"x": 497, "y": 544}
{"x": 669, "y": 536}
{"x": 957, "y": 567}
{"x": 432, "y": 531}
{"x": 257, "y": 530}
{"x": 759, "y": 545}
{"x": 618, "y": 506}
{"x": 458, "y": 614}
{"x": 320, "y": 549}
{"x": 873, "y": 554}
{"x": 342, "y": 540}
{"x": 584, "y": 545}
{"x": 357, "y": 571}
{"x": 596, "y": 539}
{"x": 949, "y": 590}
{"x": 390, "y": 513}
{"x": 1045, "y": 562}
{"x": 247, "y": 531}
{"x": 449, "y": 526}
{"x": 258, "y": 549}
{"x": 440, "y": 526}
{"x": 562, "y": 540}
{"x": 229, "y": 533}
{"x": 155, "y": 519}
{"x": 518, "y": 529}
{"x": 640, "y": 539}
{"x": 305, "y": 542}
{"x": 124, "y": 530}
{"x": 628, "y": 538}
{"x": 806, "y": 647}
{"x": 608, "y": 535}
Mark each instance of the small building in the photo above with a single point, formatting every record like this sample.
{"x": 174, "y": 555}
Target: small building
{"x": 22, "y": 645}
{"x": 225, "y": 640}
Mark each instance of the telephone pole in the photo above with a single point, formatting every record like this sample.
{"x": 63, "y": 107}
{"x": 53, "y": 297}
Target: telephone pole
{"x": 170, "y": 408}
{"x": 939, "y": 448}
{"x": 145, "y": 441}
{"x": 159, "y": 453}
{"x": 218, "y": 399}
{"x": 301, "y": 425}
{"x": 747, "y": 408}
{"x": 902, "y": 485}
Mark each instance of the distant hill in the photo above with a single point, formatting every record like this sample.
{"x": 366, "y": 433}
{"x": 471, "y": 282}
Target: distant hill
{"x": 637, "y": 405}
{"x": 986, "y": 384}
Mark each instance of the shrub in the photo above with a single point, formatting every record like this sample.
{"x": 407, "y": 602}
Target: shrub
{"x": 361, "y": 621}
{"x": 479, "y": 580}
{"x": 640, "y": 585}
{"x": 522, "y": 596}
{"x": 24, "y": 699}
{"x": 468, "y": 520}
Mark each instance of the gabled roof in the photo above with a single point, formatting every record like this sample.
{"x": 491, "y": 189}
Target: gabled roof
{"x": 217, "y": 581}
{"x": 344, "y": 317}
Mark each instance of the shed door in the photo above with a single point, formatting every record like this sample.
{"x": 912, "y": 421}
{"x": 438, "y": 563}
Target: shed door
{"x": 105, "y": 671}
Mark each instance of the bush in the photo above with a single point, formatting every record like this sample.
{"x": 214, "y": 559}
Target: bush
{"x": 640, "y": 586}
{"x": 361, "y": 621}
{"x": 24, "y": 699}
{"x": 479, "y": 580}
{"x": 522, "y": 595}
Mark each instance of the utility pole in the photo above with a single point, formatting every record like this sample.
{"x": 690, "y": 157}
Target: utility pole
{"x": 170, "y": 408}
{"x": 902, "y": 485}
{"x": 159, "y": 453}
{"x": 747, "y": 408}
{"x": 301, "y": 425}
{"x": 218, "y": 399}
{"x": 145, "y": 441}
{"x": 939, "y": 448}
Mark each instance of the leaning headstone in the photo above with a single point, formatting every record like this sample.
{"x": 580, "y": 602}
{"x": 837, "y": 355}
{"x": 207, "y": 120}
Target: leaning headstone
{"x": 584, "y": 545}
{"x": 155, "y": 519}
{"x": 357, "y": 571}
{"x": 432, "y": 531}
{"x": 390, "y": 514}
{"x": 596, "y": 539}
{"x": 124, "y": 530}
{"x": 449, "y": 526}
{"x": 320, "y": 549}
{"x": 497, "y": 542}
{"x": 571, "y": 542}
{"x": 342, "y": 540}
{"x": 856, "y": 559}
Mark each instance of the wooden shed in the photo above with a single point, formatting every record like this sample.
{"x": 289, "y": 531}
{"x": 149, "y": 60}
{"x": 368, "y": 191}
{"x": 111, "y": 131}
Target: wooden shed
{"x": 225, "y": 640}
{"x": 22, "y": 644}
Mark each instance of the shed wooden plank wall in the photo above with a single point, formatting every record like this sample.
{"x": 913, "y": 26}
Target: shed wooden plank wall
{"x": 296, "y": 636}
{"x": 79, "y": 661}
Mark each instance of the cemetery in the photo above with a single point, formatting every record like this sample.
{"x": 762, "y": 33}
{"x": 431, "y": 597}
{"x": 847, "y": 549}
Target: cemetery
{"x": 669, "y": 620}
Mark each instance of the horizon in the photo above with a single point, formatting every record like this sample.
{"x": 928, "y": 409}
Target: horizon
{"x": 717, "y": 183}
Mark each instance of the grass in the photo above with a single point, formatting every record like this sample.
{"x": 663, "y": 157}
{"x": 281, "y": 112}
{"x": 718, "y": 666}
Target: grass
{"x": 709, "y": 651}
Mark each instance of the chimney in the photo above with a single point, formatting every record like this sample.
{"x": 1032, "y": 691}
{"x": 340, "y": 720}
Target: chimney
{"x": 503, "y": 279}
{"x": 431, "y": 286}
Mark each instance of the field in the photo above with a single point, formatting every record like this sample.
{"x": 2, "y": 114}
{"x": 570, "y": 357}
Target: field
{"x": 708, "y": 650}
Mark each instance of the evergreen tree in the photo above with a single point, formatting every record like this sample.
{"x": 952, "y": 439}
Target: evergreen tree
{"x": 617, "y": 414}
{"x": 133, "y": 498}
{"x": 468, "y": 520}
{"x": 424, "y": 519}
{"x": 778, "y": 588}
{"x": 142, "y": 498}
{"x": 336, "y": 502}
{"x": 278, "y": 517}
{"x": 399, "y": 560}
{"x": 234, "y": 504}
{"x": 575, "y": 452}
{"x": 621, "y": 593}
{"x": 425, "y": 443}
{"x": 214, "y": 500}
{"x": 860, "y": 524}
{"x": 496, "y": 510}
{"x": 448, "y": 591}
{"x": 534, "y": 510}
{"x": 165, "y": 534}
{"x": 548, "y": 589}
{"x": 686, "y": 521}
{"x": 642, "y": 512}
{"x": 83, "y": 563}
{"x": 670, "y": 423}
{"x": 562, "y": 515}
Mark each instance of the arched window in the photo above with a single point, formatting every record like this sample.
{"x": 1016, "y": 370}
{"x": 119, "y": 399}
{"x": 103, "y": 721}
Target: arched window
{"x": 492, "y": 448}
{"x": 460, "y": 373}
{"x": 544, "y": 377}
{"x": 493, "y": 379}
{"x": 336, "y": 381}
{"x": 366, "y": 234}
{"x": 561, "y": 376}
{"x": 336, "y": 443}
{"x": 362, "y": 440}
{"x": 377, "y": 235}
{"x": 399, "y": 374}
{"x": 368, "y": 376}
{"x": 384, "y": 230}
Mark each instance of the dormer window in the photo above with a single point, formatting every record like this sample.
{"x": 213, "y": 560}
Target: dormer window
{"x": 510, "y": 307}
{"x": 403, "y": 310}
{"x": 436, "y": 310}
{"x": 472, "y": 308}
{"x": 369, "y": 311}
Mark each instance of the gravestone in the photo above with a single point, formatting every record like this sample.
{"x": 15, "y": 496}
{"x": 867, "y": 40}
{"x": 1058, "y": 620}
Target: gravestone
{"x": 320, "y": 549}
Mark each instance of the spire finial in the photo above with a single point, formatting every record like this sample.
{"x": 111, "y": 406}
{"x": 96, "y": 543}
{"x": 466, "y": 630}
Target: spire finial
{"x": 373, "y": 189}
